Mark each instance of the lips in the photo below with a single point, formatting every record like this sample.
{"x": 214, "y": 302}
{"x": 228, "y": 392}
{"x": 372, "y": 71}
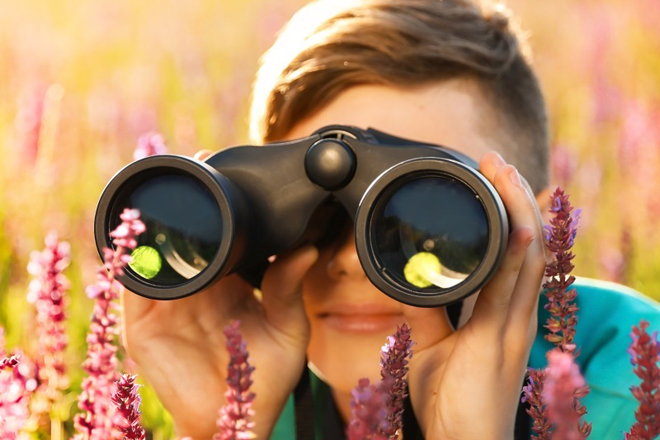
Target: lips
{"x": 361, "y": 318}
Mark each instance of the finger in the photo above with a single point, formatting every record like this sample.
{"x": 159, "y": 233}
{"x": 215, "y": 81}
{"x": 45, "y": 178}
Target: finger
{"x": 523, "y": 211}
{"x": 525, "y": 300}
{"x": 202, "y": 154}
{"x": 133, "y": 307}
{"x": 492, "y": 306}
{"x": 282, "y": 290}
{"x": 539, "y": 216}
{"x": 520, "y": 208}
{"x": 420, "y": 319}
{"x": 489, "y": 164}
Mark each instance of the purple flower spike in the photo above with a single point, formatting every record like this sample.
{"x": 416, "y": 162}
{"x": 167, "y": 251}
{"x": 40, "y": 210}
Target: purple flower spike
{"x": 99, "y": 419}
{"x": 560, "y": 238}
{"x": 553, "y": 394}
{"x": 149, "y": 144}
{"x": 234, "y": 421}
{"x": 127, "y": 401}
{"x": 368, "y": 413}
{"x": 644, "y": 351}
{"x": 394, "y": 367}
{"x": 532, "y": 393}
{"x": 564, "y": 386}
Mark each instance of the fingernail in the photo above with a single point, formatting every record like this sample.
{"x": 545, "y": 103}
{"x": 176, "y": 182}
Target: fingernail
{"x": 499, "y": 162}
{"x": 515, "y": 177}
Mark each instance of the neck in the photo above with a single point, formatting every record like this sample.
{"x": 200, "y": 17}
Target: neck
{"x": 343, "y": 402}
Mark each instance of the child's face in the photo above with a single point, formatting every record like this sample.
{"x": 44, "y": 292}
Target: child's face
{"x": 350, "y": 319}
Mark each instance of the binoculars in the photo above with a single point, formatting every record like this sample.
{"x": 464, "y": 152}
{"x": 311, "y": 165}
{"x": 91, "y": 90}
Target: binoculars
{"x": 429, "y": 228}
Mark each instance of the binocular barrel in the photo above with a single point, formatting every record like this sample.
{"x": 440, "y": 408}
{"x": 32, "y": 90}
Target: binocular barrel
{"x": 429, "y": 228}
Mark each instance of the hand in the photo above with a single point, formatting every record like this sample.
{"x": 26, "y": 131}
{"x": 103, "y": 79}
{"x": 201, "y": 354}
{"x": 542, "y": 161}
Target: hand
{"x": 180, "y": 348}
{"x": 468, "y": 385}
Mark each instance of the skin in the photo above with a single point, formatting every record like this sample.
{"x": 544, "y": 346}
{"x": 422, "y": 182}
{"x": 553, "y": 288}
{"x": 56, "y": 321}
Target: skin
{"x": 320, "y": 303}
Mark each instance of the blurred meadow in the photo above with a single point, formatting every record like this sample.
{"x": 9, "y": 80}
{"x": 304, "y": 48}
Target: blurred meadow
{"x": 81, "y": 80}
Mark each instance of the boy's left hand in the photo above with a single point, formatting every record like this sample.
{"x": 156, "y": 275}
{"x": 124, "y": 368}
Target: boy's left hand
{"x": 468, "y": 385}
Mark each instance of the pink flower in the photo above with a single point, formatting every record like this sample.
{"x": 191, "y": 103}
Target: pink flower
{"x": 637, "y": 133}
{"x": 28, "y": 122}
{"x": 616, "y": 261}
{"x": 47, "y": 292}
{"x": 16, "y": 386}
{"x": 645, "y": 355}
{"x": 124, "y": 235}
{"x": 9, "y": 362}
{"x": 394, "y": 367}
{"x": 563, "y": 164}
{"x": 99, "y": 420}
{"x": 127, "y": 401}
{"x": 562, "y": 389}
{"x": 368, "y": 413}
{"x": 149, "y": 144}
{"x": 234, "y": 421}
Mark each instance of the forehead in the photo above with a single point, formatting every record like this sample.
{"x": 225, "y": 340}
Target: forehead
{"x": 451, "y": 113}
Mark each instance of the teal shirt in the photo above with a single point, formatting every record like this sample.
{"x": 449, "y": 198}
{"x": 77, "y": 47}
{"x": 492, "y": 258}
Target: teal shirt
{"x": 607, "y": 312}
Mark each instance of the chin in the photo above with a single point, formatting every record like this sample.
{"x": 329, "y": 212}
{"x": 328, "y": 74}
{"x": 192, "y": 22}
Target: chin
{"x": 342, "y": 358}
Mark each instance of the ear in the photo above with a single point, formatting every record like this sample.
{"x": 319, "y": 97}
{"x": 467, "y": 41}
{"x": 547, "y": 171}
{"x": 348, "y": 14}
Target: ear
{"x": 543, "y": 201}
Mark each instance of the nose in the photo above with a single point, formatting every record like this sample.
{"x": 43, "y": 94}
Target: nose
{"x": 344, "y": 263}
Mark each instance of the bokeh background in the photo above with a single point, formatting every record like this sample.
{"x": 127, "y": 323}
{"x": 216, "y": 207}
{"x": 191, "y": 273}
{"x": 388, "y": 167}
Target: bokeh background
{"x": 81, "y": 80}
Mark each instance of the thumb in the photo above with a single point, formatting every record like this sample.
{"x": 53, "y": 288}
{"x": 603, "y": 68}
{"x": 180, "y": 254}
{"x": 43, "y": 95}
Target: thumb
{"x": 282, "y": 290}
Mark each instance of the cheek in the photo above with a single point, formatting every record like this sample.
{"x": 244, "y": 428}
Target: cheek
{"x": 316, "y": 283}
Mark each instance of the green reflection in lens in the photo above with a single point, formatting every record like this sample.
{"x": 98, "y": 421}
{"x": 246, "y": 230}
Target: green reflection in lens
{"x": 421, "y": 268}
{"x": 146, "y": 262}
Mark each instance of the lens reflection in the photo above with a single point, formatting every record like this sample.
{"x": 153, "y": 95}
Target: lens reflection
{"x": 146, "y": 262}
{"x": 429, "y": 231}
{"x": 183, "y": 227}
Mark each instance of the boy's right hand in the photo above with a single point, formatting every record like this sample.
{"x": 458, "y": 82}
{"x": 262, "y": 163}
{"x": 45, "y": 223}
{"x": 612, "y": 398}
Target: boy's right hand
{"x": 179, "y": 345}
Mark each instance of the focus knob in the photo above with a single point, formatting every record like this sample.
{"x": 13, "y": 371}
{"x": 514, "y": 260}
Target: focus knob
{"x": 330, "y": 163}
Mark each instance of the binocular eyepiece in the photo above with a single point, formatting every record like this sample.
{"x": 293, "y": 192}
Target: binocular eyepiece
{"x": 429, "y": 228}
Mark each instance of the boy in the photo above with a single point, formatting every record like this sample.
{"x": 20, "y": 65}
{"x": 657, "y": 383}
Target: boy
{"x": 441, "y": 71}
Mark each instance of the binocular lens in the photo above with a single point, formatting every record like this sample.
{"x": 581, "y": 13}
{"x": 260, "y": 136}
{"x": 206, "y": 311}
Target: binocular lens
{"x": 430, "y": 231}
{"x": 184, "y": 226}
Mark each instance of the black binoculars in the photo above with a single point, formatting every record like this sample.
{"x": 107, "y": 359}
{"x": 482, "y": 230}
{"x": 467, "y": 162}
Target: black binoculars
{"x": 429, "y": 228}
